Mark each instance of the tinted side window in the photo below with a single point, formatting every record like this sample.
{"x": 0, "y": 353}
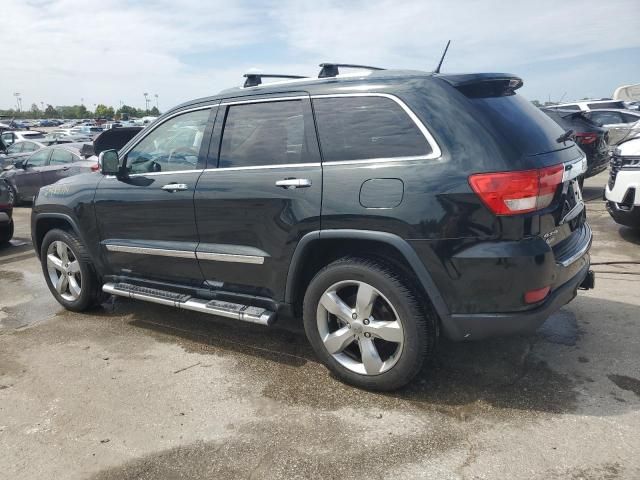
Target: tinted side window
{"x": 627, "y": 118}
{"x": 29, "y": 147}
{"x": 60, "y": 156}
{"x": 606, "y": 118}
{"x": 598, "y": 106}
{"x": 569, "y": 107}
{"x": 174, "y": 145}
{"x": 38, "y": 159}
{"x": 15, "y": 148}
{"x": 268, "y": 133}
{"x": 358, "y": 128}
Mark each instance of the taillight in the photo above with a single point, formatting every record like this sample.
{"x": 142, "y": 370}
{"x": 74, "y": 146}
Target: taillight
{"x": 586, "y": 138}
{"x": 96, "y": 167}
{"x": 511, "y": 193}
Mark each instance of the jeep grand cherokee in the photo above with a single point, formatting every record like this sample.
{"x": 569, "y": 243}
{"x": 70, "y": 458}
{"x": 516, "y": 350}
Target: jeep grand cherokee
{"x": 383, "y": 207}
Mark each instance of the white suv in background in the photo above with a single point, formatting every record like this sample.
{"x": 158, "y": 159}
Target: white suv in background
{"x": 623, "y": 190}
{"x": 589, "y": 105}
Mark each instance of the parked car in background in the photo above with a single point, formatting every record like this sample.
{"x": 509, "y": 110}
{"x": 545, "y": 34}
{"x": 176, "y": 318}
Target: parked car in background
{"x": 86, "y": 130}
{"x": 6, "y": 212}
{"x": 25, "y": 148}
{"x": 66, "y": 134}
{"x": 621, "y": 124}
{"x": 47, "y": 166}
{"x": 592, "y": 138}
{"x": 10, "y": 137}
{"x": 588, "y": 105}
{"x": 622, "y": 192}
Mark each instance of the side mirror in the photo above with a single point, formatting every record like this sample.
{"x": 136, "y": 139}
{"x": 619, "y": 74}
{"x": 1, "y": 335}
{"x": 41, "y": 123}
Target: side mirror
{"x": 109, "y": 162}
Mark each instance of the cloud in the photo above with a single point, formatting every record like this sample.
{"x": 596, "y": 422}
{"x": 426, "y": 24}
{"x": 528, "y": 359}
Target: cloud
{"x": 112, "y": 50}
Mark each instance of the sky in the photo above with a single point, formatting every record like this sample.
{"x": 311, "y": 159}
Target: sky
{"x": 111, "y": 51}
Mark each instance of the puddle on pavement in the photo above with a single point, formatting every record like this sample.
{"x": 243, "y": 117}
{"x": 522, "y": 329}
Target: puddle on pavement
{"x": 318, "y": 446}
{"x": 626, "y": 383}
{"x": 560, "y": 328}
{"x": 465, "y": 380}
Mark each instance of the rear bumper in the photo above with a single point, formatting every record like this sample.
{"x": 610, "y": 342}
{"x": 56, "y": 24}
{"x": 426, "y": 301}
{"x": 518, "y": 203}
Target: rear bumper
{"x": 480, "y": 326}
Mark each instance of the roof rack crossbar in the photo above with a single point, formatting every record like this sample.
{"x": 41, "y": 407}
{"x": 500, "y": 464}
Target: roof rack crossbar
{"x": 255, "y": 79}
{"x": 331, "y": 69}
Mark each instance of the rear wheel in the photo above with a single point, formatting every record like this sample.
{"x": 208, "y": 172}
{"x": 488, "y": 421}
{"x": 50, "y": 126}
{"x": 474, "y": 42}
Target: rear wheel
{"x": 69, "y": 272}
{"x": 367, "y": 324}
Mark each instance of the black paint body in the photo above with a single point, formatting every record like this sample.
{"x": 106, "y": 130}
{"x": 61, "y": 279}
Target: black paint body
{"x": 474, "y": 266}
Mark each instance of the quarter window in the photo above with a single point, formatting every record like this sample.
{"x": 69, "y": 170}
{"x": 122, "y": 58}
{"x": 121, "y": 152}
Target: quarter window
{"x": 29, "y": 147}
{"x": 174, "y": 145}
{"x": 60, "y": 156}
{"x": 264, "y": 133}
{"x": 15, "y": 148}
{"x": 359, "y": 128}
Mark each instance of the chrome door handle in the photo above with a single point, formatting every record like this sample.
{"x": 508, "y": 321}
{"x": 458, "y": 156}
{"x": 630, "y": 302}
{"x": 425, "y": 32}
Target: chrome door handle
{"x": 174, "y": 187}
{"x": 291, "y": 183}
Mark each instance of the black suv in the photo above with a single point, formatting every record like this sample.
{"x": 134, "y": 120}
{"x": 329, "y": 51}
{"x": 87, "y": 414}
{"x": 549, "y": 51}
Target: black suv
{"x": 384, "y": 207}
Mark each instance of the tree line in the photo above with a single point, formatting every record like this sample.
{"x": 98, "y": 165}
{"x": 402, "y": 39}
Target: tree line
{"x": 79, "y": 111}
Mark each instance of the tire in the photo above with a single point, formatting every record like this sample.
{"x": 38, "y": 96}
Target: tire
{"x": 13, "y": 193}
{"x": 6, "y": 233}
{"x": 403, "y": 343}
{"x": 83, "y": 272}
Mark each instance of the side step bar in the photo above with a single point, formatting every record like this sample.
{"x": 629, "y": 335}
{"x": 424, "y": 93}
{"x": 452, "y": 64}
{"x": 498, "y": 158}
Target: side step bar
{"x": 236, "y": 311}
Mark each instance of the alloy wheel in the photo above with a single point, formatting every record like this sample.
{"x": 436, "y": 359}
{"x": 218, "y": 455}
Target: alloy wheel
{"x": 64, "y": 271}
{"x": 359, "y": 327}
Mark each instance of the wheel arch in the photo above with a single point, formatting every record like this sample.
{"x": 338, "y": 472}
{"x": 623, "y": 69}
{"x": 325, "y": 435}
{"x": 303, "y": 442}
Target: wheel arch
{"x": 44, "y": 222}
{"x": 318, "y": 248}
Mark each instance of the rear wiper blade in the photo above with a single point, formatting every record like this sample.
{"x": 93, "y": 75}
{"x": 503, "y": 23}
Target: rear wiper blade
{"x": 568, "y": 135}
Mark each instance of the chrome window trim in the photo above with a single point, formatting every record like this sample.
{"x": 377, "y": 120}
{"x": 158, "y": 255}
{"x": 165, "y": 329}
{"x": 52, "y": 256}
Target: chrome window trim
{"x": 436, "y": 152}
{"x": 210, "y": 256}
{"x": 264, "y": 100}
{"x": 267, "y": 167}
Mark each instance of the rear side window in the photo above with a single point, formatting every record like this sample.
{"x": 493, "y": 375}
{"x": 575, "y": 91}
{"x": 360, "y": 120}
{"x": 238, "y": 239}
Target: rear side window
{"x": 29, "y": 147}
{"x": 266, "y": 133}
{"x": 60, "y": 156}
{"x": 360, "y": 128}
{"x": 38, "y": 159}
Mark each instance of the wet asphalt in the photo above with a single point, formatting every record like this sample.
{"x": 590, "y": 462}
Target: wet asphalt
{"x": 140, "y": 391}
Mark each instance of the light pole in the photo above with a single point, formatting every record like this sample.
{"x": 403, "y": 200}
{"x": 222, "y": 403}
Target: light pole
{"x": 157, "y": 107}
{"x": 18, "y": 101}
{"x": 42, "y": 106}
{"x": 146, "y": 103}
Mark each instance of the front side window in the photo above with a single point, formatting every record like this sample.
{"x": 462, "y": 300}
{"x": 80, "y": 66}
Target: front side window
{"x": 60, "y": 156}
{"x": 266, "y": 133}
{"x": 38, "y": 159}
{"x": 172, "y": 146}
{"x": 360, "y": 128}
{"x": 15, "y": 148}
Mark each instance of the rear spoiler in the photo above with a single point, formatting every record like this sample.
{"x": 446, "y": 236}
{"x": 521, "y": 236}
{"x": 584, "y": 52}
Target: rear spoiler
{"x": 479, "y": 85}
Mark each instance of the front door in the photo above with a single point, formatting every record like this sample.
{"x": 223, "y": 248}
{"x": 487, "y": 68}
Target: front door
{"x": 146, "y": 217}
{"x": 262, "y": 198}
{"x": 30, "y": 180}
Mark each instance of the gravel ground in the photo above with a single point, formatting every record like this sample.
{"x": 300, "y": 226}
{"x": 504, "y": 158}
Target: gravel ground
{"x": 140, "y": 391}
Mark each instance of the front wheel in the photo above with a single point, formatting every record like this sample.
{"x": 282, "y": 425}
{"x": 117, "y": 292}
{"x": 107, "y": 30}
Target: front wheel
{"x": 68, "y": 270}
{"x": 367, "y": 323}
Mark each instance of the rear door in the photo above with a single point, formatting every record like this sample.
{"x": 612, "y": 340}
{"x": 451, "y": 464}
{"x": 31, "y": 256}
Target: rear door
{"x": 262, "y": 194}
{"x": 146, "y": 218}
{"x": 60, "y": 165}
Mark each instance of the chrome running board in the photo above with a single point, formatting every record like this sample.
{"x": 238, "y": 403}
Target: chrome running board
{"x": 244, "y": 313}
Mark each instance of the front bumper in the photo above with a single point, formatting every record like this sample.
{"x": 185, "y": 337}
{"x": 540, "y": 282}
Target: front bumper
{"x": 624, "y": 186}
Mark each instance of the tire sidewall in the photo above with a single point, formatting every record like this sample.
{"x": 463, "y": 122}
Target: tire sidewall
{"x": 86, "y": 270}
{"x": 415, "y": 335}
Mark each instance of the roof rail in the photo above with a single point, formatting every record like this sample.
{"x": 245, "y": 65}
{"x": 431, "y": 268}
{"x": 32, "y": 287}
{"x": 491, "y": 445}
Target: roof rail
{"x": 255, "y": 79}
{"x": 331, "y": 69}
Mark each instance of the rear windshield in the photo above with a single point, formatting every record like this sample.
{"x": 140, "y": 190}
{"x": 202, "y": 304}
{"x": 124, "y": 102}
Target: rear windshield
{"x": 521, "y": 124}
{"x": 33, "y": 135}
